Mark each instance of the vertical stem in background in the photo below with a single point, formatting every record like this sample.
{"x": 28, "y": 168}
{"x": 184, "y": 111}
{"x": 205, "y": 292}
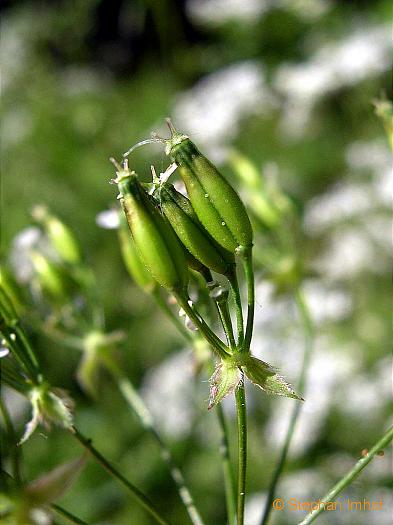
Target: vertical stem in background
{"x": 138, "y": 495}
{"x": 15, "y": 450}
{"x": 238, "y": 307}
{"x": 350, "y": 476}
{"x": 242, "y": 447}
{"x": 308, "y": 347}
{"x": 141, "y": 410}
{"x": 249, "y": 272}
{"x": 67, "y": 515}
{"x": 229, "y": 480}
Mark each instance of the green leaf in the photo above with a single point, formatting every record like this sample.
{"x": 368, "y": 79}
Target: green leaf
{"x": 265, "y": 376}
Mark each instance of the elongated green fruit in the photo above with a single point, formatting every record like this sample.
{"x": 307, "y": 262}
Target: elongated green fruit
{"x": 60, "y": 235}
{"x": 183, "y": 219}
{"x": 137, "y": 270}
{"x": 215, "y": 202}
{"x": 156, "y": 243}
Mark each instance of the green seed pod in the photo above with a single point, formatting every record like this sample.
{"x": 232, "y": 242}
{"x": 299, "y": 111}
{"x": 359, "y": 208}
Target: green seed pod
{"x": 51, "y": 277}
{"x": 183, "y": 219}
{"x": 132, "y": 261}
{"x": 156, "y": 243}
{"x": 59, "y": 234}
{"x": 215, "y": 202}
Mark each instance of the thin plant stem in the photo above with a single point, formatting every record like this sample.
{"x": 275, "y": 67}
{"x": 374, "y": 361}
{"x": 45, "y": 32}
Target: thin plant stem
{"x": 242, "y": 450}
{"x": 211, "y": 337}
{"x": 349, "y": 477}
{"x": 229, "y": 479}
{"x": 308, "y": 330}
{"x": 67, "y": 515}
{"x": 172, "y": 316}
{"x": 233, "y": 282}
{"x": 249, "y": 273}
{"x": 15, "y": 450}
{"x": 225, "y": 317}
{"x": 136, "y": 493}
{"x": 137, "y": 404}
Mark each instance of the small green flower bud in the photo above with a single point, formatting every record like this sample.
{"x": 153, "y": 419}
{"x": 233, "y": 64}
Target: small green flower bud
{"x": 51, "y": 277}
{"x": 157, "y": 244}
{"x": 59, "y": 234}
{"x": 183, "y": 219}
{"x": 132, "y": 261}
{"x": 215, "y": 202}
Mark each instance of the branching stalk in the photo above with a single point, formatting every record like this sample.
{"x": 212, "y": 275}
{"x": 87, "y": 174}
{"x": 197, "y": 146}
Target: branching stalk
{"x": 67, "y": 515}
{"x": 136, "y": 493}
{"x": 249, "y": 272}
{"x": 137, "y": 404}
{"x": 233, "y": 282}
{"x": 349, "y": 477}
{"x": 210, "y": 336}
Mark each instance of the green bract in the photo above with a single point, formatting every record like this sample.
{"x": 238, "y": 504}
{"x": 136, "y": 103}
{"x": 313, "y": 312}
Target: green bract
{"x": 183, "y": 219}
{"x": 155, "y": 241}
{"x": 215, "y": 202}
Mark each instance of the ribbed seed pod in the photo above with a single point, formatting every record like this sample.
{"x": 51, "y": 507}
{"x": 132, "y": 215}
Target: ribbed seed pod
{"x": 215, "y": 202}
{"x": 136, "y": 269}
{"x": 155, "y": 241}
{"x": 183, "y": 219}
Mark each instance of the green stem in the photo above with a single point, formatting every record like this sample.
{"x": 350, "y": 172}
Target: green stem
{"x": 172, "y": 316}
{"x": 349, "y": 477}
{"x": 15, "y": 450}
{"x": 242, "y": 450}
{"x": 138, "y": 495}
{"x": 229, "y": 480}
{"x": 67, "y": 515}
{"x": 308, "y": 347}
{"x": 225, "y": 317}
{"x": 249, "y": 272}
{"x": 210, "y": 336}
{"x": 141, "y": 410}
{"x": 238, "y": 307}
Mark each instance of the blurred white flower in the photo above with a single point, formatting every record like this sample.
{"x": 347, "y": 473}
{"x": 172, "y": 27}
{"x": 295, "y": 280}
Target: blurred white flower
{"x": 326, "y": 303}
{"x": 83, "y": 80}
{"x": 15, "y": 47}
{"x": 370, "y": 391}
{"x": 168, "y": 390}
{"x": 372, "y": 155}
{"x": 255, "y": 504}
{"x": 305, "y": 9}
{"x": 16, "y": 125}
{"x": 29, "y": 239}
{"x": 349, "y": 252}
{"x": 362, "y": 54}
{"x": 217, "y": 12}
{"x": 211, "y": 111}
{"x": 108, "y": 219}
{"x": 329, "y": 368}
{"x": 343, "y": 201}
